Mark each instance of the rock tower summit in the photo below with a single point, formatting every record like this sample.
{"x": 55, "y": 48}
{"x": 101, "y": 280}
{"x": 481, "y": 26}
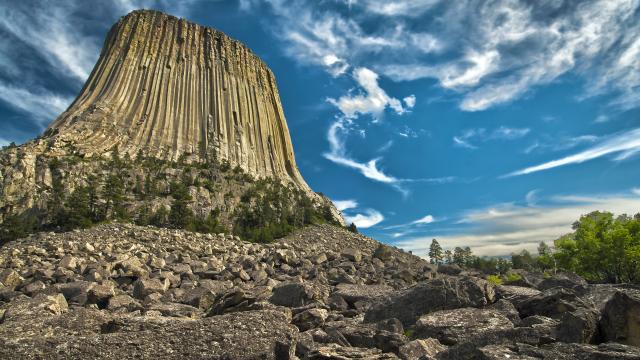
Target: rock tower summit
{"x": 167, "y": 87}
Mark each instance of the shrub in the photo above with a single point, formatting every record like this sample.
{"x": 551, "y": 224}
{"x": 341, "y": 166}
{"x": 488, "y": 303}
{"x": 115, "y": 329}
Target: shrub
{"x": 494, "y": 279}
{"x": 511, "y": 277}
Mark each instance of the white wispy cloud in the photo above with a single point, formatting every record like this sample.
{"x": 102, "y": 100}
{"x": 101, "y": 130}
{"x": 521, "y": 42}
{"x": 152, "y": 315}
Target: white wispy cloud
{"x": 497, "y": 51}
{"x": 342, "y": 205}
{"x": 42, "y": 105}
{"x": 507, "y": 133}
{"x": 177, "y": 8}
{"x": 386, "y": 146}
{"x": 409, "y": 227}
{"x": 480, "y": 134}
{"x": 326, "y": 37}
{"x": 505, "y": 228}
{"x": 52, "y": 35}
{"x": 559, "y": 143}
{"x": 373, "y": 101}
{"x": 399, "y": 7}
{"x": 337, "y": 154}
{"x": 462, "y": 142}
{"x": 410, "y": 101}
{"x": 532, "y": 197}
{"x": 428, "y": 219}
{"x": 367, "y": 219}
{"x": 624, "y": 144}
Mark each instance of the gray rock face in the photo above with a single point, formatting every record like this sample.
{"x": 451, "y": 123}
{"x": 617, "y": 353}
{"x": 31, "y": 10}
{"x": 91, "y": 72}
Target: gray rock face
{"x": 564, "y": 351}
{"x": 337, "y": 352}
{"x": 432, "y": 295}
{"x": 451, "y": 326}
{"x": 91, "y": 334}
{"x": 295, "y": 294}
{"x": 621, "y": 318}
{"x": 426, "y": 349}
{"x": 563, "y": 280}
{"x": 354, "y": 293}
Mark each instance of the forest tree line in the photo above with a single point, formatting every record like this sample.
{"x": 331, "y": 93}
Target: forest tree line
{"x": 602, "y": 248}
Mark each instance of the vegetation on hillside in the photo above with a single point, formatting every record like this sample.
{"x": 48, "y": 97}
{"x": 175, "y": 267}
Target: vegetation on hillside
{"x": 602, "y": 248}
{"x": 266, "y": 211}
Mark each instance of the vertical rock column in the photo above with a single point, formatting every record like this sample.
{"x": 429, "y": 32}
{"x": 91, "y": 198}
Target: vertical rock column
{"x": 167, "y": 87}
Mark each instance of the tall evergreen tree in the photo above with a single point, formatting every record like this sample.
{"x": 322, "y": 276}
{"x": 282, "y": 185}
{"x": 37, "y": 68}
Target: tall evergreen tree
{"x": 435, "y": 252}
{"x": 114, "y": 196}
{"x": 78, "y": 209}
{"x": 448, "y": 257}
{"x": 458, "y": 256}
{"x": 180, "y": 215}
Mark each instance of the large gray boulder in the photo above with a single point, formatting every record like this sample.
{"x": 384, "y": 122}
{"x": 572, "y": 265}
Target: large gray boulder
{"x": 432, "y": 295}
{"x": 621, "y": 318}
{"x": 423, "y": 349}
{"x": 338, "y": 352}
{"x": 565, "y": 351}
{"x": 452, "y": 326}
{"x": 295, "y": 294}
{"x": 359, "y": 296}
{"x": 364, "y": 335}
{"x": 566, "y": 280}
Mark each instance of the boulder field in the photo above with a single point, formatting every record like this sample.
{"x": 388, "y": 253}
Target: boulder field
{"x": 120, "y": 291}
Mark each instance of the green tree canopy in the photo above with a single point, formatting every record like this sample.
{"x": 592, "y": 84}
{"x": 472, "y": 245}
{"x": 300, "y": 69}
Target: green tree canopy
{"x": 602, "y": 248}
{"x": 436, "y": 255}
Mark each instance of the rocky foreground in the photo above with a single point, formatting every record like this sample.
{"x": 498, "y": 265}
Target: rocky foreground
{"x": 122, "y": 291}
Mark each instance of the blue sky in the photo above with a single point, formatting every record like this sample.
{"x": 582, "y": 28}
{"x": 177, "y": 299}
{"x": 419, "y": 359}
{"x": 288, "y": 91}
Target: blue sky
{"x": 490, "y": 124}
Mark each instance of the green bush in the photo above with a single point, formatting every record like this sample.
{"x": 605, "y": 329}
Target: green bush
{"x": 511, "y": 277}
{"x": 494, "y": 279}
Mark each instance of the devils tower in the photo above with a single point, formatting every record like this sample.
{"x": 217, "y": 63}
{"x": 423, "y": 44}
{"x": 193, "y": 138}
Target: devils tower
{"x": 167, "y": 87}
{"x": 174, "y": 115}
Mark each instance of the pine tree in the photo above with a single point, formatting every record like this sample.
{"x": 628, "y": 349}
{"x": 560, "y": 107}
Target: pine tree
{"x": 180, "y": 215}
{"x": 435, "y": 252}
{"x": 448, "y": 257}
{"x": 143, "y": 217}
{"x": 78, "y": 209}
{"x": 160, "y": 217}
{"x": 114, "y": 197}
{"x": 55, "y": 203}
{"x": 18, "y": 226}
{"x": 352, "y": 227}
{"x": 458, "y": 256}
{"x": 92, "y": 191}
{"x": 467, "y": 255}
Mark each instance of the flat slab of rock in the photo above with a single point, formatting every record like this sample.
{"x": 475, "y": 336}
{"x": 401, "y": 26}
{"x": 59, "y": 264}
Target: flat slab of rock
{"x": 337, "y": 352}
{"x": 451, "y": 326}
{"x": 564, "y": 351}
{"x": 432, "y": 295}
{"x": 353, "y": 293}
